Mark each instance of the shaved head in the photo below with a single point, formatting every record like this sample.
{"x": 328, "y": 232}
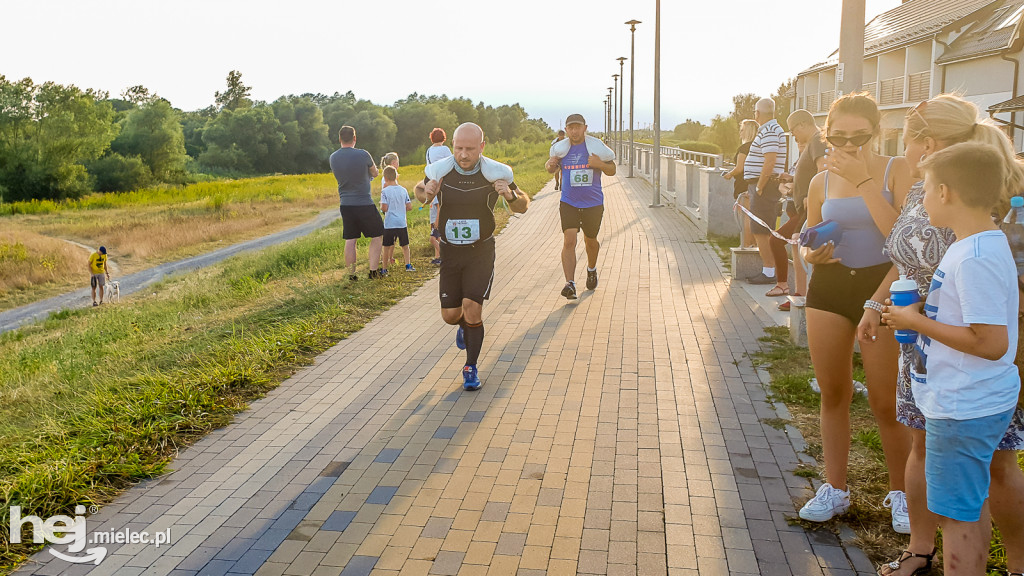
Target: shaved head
{"x": 470, "y": 132}
{"x": 468, "y": 145}
{"x": 765, "y": 106}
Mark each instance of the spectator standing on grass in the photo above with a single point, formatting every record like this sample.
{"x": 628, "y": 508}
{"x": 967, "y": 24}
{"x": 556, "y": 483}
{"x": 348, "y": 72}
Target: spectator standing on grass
{"x": 748, "y": 130}
{"x": 353, "y": 169}
{"x": 810, "y": 162}
{"x": 845, "y": 275}
{"x": 437, "y": 151}
{"x": 916, "y": 246}
{"x": 761, "y": 168}
{"x": 395, "y": 202}
{"x": 967, "y": 337}
{"x": 100, "y": 273}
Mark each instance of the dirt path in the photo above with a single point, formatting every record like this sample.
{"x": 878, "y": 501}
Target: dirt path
{"x": 11, "y": 319}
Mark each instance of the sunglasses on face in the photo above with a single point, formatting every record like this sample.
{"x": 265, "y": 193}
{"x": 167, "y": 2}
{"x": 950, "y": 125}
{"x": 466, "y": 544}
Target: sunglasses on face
{"x": 858, "y": 140}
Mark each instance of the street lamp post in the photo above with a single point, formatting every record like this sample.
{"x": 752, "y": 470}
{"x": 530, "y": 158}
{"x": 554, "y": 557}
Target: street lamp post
{"x": 605, "y": 102}
{"x": 618, "y": 127}
{"x": 632, "y": 77}
{"x": 615, "y": 108}
{"x": 608, "y": 133}
{"x": 657, "y": 105}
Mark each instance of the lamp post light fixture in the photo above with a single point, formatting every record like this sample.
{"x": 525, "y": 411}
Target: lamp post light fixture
{"x": 609, "y": 131}
{"x": 618, "y": 127}
{"x": 657, "y": 105}
{"x": 615, "y": 108}
{"x": 632, "y": 76}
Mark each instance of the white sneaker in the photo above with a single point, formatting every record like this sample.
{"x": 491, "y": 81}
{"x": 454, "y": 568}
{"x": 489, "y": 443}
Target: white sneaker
{"x": 897, "y": 500}
{"x": 828, "y": 502}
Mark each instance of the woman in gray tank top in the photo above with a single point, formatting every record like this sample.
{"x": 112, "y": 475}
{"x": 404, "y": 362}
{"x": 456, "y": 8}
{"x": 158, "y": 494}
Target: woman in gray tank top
{"x": 844, "y": 276}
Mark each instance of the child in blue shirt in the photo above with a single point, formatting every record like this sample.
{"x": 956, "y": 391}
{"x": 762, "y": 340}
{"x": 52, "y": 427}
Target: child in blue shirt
{"x": 968, "y": 338}
{"x": 395, "y": 202}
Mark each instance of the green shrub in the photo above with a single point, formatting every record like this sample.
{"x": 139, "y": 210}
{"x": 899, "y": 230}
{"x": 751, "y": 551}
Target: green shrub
{"x": 117, "y": 173}
{"x": 698, "y": 146}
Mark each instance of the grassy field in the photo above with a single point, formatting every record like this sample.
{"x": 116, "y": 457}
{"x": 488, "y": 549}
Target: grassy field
{"x": 148, "y": 227}
{"x": 93, "y": 400}
{"x": 790, "y": 368}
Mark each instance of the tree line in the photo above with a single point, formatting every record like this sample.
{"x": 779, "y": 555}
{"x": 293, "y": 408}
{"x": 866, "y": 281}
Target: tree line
{"x": 60, "y": 142}
{"x": 723, "y": 130}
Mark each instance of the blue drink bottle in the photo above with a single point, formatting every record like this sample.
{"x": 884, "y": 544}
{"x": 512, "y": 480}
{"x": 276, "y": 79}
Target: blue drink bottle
{"x": 903, "y": 292}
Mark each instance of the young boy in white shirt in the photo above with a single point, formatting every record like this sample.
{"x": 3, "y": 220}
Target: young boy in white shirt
{"x": 395, "y": 202}
{"x": 968, "y": 338}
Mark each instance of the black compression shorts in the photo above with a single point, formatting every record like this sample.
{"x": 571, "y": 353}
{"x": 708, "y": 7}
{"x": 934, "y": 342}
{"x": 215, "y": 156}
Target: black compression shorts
{"x": 466, "y": 272}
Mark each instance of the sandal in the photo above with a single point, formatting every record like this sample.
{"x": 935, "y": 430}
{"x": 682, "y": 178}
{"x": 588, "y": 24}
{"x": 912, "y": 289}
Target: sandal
{"x": 907, "y": 555}
{"x": 777, "y": 291}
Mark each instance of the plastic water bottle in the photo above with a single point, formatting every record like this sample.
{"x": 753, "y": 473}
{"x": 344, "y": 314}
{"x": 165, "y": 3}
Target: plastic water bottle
{"x": 903, "y": 292}
{"x": 1013, "y": 227}
{"x": 817, "y": 236}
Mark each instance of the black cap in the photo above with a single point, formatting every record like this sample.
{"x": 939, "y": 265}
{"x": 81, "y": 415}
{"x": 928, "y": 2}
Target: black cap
{"x": 103, "y": 249}
{"x": 575, "y": 119}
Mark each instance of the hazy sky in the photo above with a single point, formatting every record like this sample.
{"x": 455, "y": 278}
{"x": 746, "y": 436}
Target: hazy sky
{"x": 554, "y": 57}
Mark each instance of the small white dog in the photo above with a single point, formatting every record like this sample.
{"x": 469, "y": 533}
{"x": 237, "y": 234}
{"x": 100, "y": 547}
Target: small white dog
{"x": 113, "y": 291}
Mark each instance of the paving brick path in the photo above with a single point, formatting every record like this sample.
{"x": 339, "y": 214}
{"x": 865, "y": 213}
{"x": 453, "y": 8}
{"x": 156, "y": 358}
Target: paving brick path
{"x": 619, "y": 434}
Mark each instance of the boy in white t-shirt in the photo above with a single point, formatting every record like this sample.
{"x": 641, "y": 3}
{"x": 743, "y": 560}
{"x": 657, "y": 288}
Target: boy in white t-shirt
{"x": 395, "y": 202}
{"x": 968, "y": 339}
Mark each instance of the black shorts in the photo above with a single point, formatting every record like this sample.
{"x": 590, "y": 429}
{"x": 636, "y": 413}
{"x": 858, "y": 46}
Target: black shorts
{"x": 361, "y": 221}
{"x": 765, "y": 206}
{"x": 434, "y": 232}
{"x": 393, "y": 234}
{"x": 586, "y": 219}
{"x": 466, "y": 272}
{"x": 841, "y": 290}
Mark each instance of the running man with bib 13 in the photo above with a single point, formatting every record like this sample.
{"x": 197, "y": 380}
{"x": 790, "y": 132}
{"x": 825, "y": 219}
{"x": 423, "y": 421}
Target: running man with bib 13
{"x": 581, "y": 164}
{"x": 467, "y": 186}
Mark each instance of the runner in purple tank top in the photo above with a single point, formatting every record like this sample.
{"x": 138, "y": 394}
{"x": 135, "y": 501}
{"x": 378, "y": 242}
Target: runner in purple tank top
{"x": 582, "y": 205}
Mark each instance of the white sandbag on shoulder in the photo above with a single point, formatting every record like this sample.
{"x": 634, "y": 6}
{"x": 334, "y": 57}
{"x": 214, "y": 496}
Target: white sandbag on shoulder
{"x": 594, "y": 146}
{"x": 492, "y": 170}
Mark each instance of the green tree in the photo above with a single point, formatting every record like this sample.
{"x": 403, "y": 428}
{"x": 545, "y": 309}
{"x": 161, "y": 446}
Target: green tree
{"x": 463, "y": 109}
{"x": 47, "y": 133}
{"x": 116, "y": 173}
{"x": 511, "y": 119}
{"x": 689, "y": 130}
{"x": 375, "y": 132}
{"x": 336, "y": 109}
{"x": 246, "y": 140}
{"x": 236, "y": 95}
{"x": 783, "y": 106}
{"x": 153, "y": 132}
{"x": 192, "y": 126}
{"x": 724, "y": 132}
{"x": 743, "y": 106}
{"x": 306, "y": 145}
{"x": 414, "y": 120}
{"x": 487, "y": 119}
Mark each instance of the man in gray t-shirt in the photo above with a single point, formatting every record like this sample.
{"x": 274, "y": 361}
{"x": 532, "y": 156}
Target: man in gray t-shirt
{"x": 354, "y": 169}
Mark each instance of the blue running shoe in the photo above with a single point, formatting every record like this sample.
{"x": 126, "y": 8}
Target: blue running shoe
{"x": 460, "y": 339}
{"x": 470, "y": 380}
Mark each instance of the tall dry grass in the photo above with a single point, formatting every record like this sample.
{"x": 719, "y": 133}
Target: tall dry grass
{"x": 28, "y": 260}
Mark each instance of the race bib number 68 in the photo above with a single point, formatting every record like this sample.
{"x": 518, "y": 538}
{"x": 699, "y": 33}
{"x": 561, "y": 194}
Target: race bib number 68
{"x": 462, "y": 231}
{"x": 581, "y": 177}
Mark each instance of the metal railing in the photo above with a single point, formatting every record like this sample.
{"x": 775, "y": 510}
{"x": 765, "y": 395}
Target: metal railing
{"x": 703, "y": 158}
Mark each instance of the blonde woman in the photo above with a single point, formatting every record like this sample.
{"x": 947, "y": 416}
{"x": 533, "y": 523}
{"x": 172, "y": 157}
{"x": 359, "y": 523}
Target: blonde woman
{"x": 748, "y": 129}
{"x": 916, "y": 247}
{"x": 861, "y": 191}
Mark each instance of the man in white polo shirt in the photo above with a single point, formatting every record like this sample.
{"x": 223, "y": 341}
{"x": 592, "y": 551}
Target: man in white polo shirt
{"x": 767, "y": 158}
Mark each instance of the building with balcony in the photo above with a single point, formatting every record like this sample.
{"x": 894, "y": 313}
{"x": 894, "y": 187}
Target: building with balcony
{"x": 923, "y": 48}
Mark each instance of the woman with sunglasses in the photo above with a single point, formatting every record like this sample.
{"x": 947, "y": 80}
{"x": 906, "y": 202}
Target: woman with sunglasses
{"x": 845, "y": 275}
{"x": 916, "y": 247}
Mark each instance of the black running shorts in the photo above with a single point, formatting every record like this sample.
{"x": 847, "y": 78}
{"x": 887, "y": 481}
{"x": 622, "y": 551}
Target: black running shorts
{"x": 361, "y": 221}
{"x": 586, "y": 219}
{"x": 391, "y": 235}
{"x": 466, "y": 272}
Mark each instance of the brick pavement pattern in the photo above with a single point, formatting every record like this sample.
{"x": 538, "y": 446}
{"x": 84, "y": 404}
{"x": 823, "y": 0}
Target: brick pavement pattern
{"x": 617, "y": 434}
